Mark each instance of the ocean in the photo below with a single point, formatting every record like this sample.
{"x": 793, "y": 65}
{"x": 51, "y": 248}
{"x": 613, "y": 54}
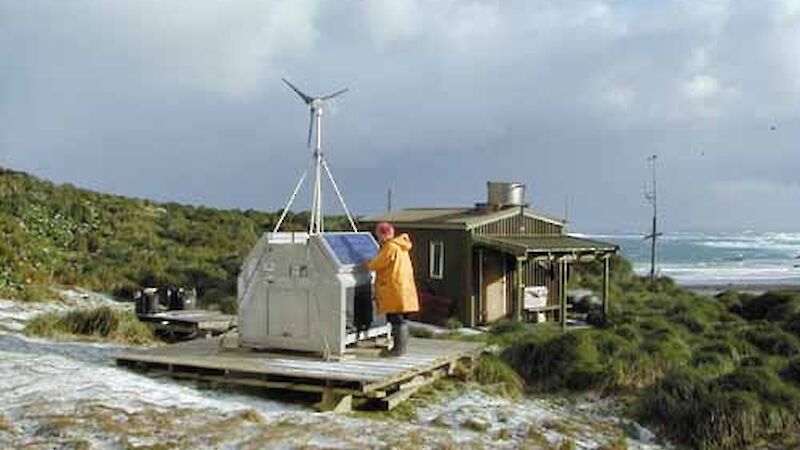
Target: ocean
{"x": 694, "y": 258}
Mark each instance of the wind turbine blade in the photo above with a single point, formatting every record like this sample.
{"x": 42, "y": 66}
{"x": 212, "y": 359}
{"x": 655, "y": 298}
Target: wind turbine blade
{"x": 310, "y": 126}
{"x": 330, "y": 96}
{"x": 302, "y": 95}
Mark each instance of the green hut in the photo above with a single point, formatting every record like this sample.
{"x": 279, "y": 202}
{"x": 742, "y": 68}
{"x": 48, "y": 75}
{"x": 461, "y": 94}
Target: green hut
{"x": 499, "y": 259}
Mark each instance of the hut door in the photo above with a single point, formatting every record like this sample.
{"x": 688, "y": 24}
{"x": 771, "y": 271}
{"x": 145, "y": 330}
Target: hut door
{"x": 494, "y": 279}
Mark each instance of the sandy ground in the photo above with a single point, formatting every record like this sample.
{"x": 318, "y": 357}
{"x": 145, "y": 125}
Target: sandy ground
{"x": 69, "y": 395}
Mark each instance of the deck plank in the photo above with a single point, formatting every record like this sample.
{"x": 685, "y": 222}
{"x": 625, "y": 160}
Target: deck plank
{"x": 366, "y": 368}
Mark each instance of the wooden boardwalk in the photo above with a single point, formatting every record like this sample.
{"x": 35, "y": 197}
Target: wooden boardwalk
{"x": 360, "y": 373}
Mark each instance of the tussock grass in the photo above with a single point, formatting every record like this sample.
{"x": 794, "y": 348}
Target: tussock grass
{"x": 790, "y": 372}
{"x": 492, "y": 371}
{"x": 773, "y": 306}
{"x": 563, "y": 361}
{"x": 102, "y": 323}
{"x": 719, "y": 373}
{"x": 731, "y": 412}
{"x": 772, "y": 340}
{"x": 620, "y": 443}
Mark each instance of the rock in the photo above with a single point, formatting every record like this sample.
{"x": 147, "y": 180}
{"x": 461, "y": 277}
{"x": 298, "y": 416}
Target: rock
{"x": 476, "y": 424}
{"x": 440, "y": 421}
{"x": 639, "y": 433}
{"x": 504, "y": 416}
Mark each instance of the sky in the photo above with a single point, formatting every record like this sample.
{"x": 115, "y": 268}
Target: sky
{"x": 183, "y": 101}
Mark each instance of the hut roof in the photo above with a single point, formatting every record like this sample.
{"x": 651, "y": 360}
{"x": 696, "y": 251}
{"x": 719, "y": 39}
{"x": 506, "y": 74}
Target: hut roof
{"x": 464, "y": 218}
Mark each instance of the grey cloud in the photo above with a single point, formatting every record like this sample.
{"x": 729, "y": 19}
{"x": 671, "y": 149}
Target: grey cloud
{"x": 182, "y": 101}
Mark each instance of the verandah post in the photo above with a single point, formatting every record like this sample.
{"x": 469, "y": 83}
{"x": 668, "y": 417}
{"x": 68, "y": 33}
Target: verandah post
{"x": 606, "y": 285}
{"x": 562, "y": 291}
{"x": 520, "y": 289}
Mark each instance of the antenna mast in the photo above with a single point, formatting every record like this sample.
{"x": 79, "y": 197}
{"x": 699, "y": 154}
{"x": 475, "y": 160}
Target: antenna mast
{"x": 651, "y": 196}
{"x": 317, "y": 221}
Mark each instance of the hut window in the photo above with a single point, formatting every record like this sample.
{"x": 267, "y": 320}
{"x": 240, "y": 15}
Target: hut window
{"x": 436, "y": 260}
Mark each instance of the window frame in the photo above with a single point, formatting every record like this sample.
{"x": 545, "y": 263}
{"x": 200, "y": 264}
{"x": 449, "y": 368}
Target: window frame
{"x": 431, "y": 260}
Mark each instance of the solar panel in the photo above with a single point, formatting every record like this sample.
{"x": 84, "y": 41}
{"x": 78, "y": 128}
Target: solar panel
{"x": 351, "y": 248}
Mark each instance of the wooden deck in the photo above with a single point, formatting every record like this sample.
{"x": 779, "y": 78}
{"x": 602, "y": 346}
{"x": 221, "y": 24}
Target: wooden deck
{"x": 189, "y": 323}
{"x": 360, "y": 373}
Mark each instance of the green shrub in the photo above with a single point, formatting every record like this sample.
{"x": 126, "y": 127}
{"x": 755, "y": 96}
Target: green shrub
{"x": 98, "y": 323}
{"x": 58, "y": 234}
{"x": 762, "y": 381}
{"x": 492, "y": 371}
{"x": 716, "y": 414}
{"x": 507, "y": 332}
{"x": 228, "y": 305}
{"x": 732, "y": 300}
{"x": 596, "y": 318}
{"x": 670, "y": 348}
{"x": 711, "y": 361}
{"x": 620, "y": 443}
{"x": 772, "y": 340}
{"x": 505, "y": 327}
{"x": 35, "y": 293}
{"x": 552, "y": 362}
{"x": 657, "y": 328}
{"x": 792, "y": 324}
{"x": 754, "y": 361}
{"x": 567, "y": 444}
{"x": 790, "y": 371}
{"x": 421, "y": 332}
{"x": 45, "y": 325}
{"x": 628, "y": 332}
{"x": 453, "y": 323}
{"x": 772, "y": 306}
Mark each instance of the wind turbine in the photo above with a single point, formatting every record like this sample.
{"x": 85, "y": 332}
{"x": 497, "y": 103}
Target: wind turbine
{"x": 316, "y": 106}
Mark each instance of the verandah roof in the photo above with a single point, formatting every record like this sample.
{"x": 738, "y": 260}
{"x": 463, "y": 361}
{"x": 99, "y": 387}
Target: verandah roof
{"x": 555, "y": 244}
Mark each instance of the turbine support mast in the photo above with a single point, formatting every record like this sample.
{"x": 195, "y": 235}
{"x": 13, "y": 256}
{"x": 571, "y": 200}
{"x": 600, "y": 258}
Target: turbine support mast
{"x": 317, "y": 217}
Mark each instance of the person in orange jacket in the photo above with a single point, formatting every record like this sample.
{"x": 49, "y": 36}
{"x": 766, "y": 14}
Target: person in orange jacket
{"x": 395, "y": 289}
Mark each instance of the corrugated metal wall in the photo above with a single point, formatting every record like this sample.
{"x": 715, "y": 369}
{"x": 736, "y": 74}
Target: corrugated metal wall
{"x": 519, "y": 225}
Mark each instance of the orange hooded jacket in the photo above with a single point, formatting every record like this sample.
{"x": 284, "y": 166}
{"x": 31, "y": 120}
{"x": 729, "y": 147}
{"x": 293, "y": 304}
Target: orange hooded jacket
{"x": 395, "y": 288}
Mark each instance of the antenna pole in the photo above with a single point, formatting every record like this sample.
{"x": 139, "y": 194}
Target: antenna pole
{"x": 389, "y": 200}
{"x": 652, "y": 197}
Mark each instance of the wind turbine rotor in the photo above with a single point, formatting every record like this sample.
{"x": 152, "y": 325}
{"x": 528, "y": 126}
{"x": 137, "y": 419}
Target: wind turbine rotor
{"x": 306, "y": 98}
{"x": 310, "y": 126}
{"x": 337, "y": 93}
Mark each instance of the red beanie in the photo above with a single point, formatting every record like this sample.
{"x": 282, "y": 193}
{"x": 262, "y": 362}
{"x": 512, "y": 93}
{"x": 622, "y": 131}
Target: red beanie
{"x": 384, "y": 229}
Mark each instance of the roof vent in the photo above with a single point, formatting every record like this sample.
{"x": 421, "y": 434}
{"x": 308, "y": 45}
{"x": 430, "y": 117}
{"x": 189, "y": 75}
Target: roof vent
{"x": 502, "y": 194}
